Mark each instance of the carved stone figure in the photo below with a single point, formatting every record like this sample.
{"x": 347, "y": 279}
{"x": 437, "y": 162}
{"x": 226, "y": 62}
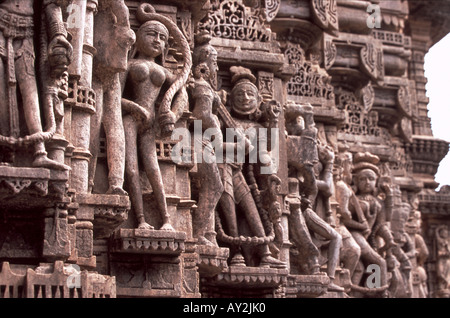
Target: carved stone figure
{"x": 325, "y": 184}
{"x": 404, "y": 250}
{"x": 304, "y": 144}
{"x": 206, "y": 101}
{"x": 354, "y": 219}
{"x": 443, "y": 257}
{"x": 237, "y": 196}
{"x": 314, "y": 156}
{"x": 372, "y": 210}
{"x": 145, "y": 78}
{"x": 418, "y": 273}
{"x": 113, "y": 39}
{"x": 350, "y": 251}
{"x": 18, "y": 77}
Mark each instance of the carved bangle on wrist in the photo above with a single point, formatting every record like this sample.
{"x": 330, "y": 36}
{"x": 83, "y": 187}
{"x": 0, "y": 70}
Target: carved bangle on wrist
{"x": 57, "y": 28}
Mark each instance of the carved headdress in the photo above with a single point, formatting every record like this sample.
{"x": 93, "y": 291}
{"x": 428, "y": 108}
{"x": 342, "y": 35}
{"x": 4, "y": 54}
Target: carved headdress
{"x": 366, "y": 161}
{"x": 241, "y": 76}
{"x": 202, "y": 52}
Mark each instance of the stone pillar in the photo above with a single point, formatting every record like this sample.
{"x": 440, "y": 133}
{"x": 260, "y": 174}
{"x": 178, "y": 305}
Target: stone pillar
{"x": 420, "y": 40}
{"x": 82, "y": 110}
{"x": 82, "y": 107}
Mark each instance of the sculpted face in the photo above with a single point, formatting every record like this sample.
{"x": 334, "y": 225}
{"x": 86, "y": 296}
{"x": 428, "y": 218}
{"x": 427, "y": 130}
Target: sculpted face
{"x": 347, "y": 168}
{"x": 366, "y": 181}
{"x": 211, "y": 62}
{"x": 245, "y": 98}
{"x": 444, "y": 232}
{"x": 152, "y": 39}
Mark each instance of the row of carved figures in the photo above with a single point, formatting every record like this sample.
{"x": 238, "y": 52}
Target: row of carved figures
{"x": 342, "y": 205}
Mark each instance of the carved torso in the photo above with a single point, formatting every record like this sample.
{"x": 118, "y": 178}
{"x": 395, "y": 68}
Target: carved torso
{"x": 146, "y": 79}
{"x": 370, "y": 207}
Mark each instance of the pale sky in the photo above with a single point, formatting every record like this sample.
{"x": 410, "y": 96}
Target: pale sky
{"x": 437, "y": 71}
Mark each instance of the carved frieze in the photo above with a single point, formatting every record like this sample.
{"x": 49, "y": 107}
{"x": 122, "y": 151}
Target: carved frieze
{"x": 331, "y": 156}
{"x": 233, "y": 20}
{"x": 357, "y": 52}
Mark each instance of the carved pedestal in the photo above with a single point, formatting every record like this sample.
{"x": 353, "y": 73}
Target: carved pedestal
{"x": 308, "y": 286}
{"x": 30, "y": 197}
{"x": 239, "y": 281}
{"x": 212, "y": 260}
{"x": 147, "y": 263}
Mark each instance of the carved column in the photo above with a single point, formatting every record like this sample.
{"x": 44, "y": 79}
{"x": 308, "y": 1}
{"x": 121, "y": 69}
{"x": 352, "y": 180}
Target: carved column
{"x": 420, "y": 38}
{"x": 83, "y": 107}
{"x": 82, "y": 103}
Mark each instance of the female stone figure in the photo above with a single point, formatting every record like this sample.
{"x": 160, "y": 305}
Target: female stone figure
{"x": 145, "y": 78}
{"x": 443, "y": 257}
{"x": 374, "y": 211}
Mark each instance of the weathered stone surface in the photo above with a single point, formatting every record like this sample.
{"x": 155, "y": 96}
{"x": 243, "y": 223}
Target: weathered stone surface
{"x": 220, "y": 148}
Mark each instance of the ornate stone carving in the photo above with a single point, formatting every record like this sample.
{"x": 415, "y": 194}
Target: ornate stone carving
{"x": 271, "y": 7}
{"x": 206, "y": 101}
{"x": 310, "y": 82}
{"x": 20, "y": 78}
{"x": 305, "y": 150}
{"x": 111, "y": 59}
{"x": 233, "y": 20}
{"x": 140, "y": 122}
{"x": 325, "y": 13}
{"x": 241, "y": 192}
{"x": 443, "y": 259}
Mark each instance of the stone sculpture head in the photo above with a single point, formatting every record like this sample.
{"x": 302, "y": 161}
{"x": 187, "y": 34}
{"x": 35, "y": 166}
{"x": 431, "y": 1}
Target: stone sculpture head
{"x": 344, "y": 166}
{"x": 114, "y": 42}
{"x": 204, "y": 59}
{"x": 366, "y": 172}
{"x": 152, "y": 40}
{"x": 245, "y": 98}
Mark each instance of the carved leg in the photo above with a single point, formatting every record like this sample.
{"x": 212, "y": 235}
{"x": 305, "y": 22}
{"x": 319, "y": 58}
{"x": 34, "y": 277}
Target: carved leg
{"x": 147, "y": 145}
{"x": 96, "y": 122}
{"x": 228, "y": 208}
{"x": 247, "y": 204}
{"x": 319, "y": 226}
{"x": 115, "y": 136}
{"x": 6, "y": 154}
{"x": 371, "y": 257}
{"x": 299, "y": 234}
{"x": 132, "y": 171}
{"x": 350, "y": 253}
{"x": 27, "y": 83}
{"x": 210, "y": 193}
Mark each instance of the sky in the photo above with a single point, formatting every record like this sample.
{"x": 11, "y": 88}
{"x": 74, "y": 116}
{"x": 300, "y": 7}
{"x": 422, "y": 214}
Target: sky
{"x": 437, "y": 71}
